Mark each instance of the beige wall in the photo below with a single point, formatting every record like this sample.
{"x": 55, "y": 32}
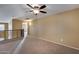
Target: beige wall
{"x": 16, "y": 25}
{"x": 62, "y": 28}
{"x": 6, "y": 28}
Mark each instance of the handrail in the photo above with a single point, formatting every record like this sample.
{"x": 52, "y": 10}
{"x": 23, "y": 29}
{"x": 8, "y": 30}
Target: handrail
{"x": 17, "y": 33}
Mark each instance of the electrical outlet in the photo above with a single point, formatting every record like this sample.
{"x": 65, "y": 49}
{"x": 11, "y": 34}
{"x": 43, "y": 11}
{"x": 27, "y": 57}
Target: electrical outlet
{"x": 61, "y": 40}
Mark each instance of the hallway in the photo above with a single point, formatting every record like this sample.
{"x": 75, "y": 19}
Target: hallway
{"x": 38, "y": 46}
{"x": 58, "y": 23}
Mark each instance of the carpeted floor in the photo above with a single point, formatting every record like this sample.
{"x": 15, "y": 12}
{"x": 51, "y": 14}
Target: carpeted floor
{"x": 38, "y": 46}
{"x": 8, "y": 46}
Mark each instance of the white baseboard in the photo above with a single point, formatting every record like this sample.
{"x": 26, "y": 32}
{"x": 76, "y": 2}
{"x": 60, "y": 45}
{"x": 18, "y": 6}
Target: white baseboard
{"x": 56, "y": 42}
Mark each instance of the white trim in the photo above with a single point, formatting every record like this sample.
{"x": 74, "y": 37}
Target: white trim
{"x": 56, "y": 42}
{"x": 19, "y": 46}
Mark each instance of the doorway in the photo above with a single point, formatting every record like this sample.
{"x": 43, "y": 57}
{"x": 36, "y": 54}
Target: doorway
{"x": 25, "y": 27}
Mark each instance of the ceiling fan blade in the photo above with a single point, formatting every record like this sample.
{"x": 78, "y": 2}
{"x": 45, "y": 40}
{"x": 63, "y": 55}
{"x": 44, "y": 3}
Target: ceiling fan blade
{"x": 31, "y": 11}
{"x": 43, "y": 11}
{"x": 42, "y": 7}
{"x": 30, "y": 6}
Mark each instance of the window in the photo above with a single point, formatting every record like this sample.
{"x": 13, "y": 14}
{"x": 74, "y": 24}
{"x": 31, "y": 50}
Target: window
{"x": 1, "y": 27}
{"x": 2, "y": 32}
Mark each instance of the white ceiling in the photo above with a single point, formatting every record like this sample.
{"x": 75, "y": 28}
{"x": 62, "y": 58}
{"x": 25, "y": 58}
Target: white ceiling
{"x": 7, "y": 11}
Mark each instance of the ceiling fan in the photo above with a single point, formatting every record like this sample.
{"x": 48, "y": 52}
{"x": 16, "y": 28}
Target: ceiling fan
{"x": 36, "y": 9}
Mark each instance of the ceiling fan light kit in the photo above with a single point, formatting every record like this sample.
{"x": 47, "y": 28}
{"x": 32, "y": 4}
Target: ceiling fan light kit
{"x": 36, "y": 11}
{"x": 36, "y": 8}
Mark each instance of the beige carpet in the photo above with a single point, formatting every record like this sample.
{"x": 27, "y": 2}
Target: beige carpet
{"x": 38, "y": 46}
{"x": 8, "y": 46}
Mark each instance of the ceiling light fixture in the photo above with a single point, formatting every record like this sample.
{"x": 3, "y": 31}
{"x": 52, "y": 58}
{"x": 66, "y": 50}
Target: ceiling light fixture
{"x": 36, "y": 11}
{"x": 36, "y": 8}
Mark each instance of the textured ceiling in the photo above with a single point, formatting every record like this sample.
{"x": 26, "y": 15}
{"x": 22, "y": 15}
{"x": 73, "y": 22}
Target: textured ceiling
{"x": 7, "y": 11}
